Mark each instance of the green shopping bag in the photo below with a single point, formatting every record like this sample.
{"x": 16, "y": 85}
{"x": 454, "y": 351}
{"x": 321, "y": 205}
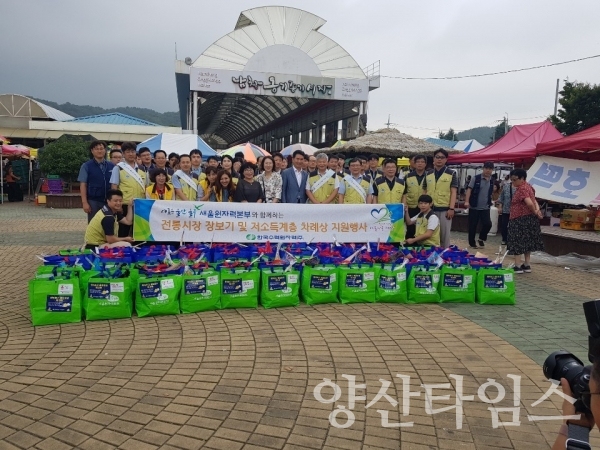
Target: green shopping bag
{"x": 108, "y": 296}
{"x": 319, "y": 284}
{"x": 239, "y": 287}
{"x": 357, "y": 283}
{"x": 200, "y": 291}
{"x": 157, "y": 295}
{"x": 279, "y": 287}
{"x": 391, "y": 284}
{"x": 54, "y": 301}
{"x": 423, "y": 285}
{"x": 495, "y": 286}
{"x": 457, "y": 284}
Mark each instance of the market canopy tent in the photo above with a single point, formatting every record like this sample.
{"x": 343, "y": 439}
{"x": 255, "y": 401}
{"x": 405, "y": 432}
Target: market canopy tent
{"x": 471, "y": 145}
{"x": 11, "y": 152}
{"x": 584, "y": 145}
{"x": 182, "y": 144}
{"x": 516, "y": 146}
{"x": 250, "y": 151}
{"x": 14, "y": 150}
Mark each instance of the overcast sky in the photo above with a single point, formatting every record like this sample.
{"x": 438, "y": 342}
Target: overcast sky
{"x": 121, "y": 52}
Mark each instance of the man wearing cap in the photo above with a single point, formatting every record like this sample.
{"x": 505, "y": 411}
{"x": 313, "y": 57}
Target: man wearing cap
{"x": 479, "y": 200}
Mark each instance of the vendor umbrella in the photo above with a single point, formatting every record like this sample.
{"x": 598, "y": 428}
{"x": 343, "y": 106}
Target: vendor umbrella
{"x": 307, "y": 149}
{"x": 251, "y": 152}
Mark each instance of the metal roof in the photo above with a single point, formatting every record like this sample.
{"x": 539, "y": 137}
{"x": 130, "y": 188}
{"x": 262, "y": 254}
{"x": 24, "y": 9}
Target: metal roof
{"x": 15, "y": 105}
{"x": 114, "y": 118}
{"x": 268, "y": 26}
{"x": 274, "y": 39}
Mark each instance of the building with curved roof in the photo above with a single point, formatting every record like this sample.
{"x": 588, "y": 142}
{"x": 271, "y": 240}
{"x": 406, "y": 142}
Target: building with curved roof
{"x": 27, "y": 121}
{"x": 276, "y": 79}
{"x": 19, "y": 106}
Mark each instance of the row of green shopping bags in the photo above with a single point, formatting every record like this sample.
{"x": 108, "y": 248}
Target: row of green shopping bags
{"x": 67, "y": 296}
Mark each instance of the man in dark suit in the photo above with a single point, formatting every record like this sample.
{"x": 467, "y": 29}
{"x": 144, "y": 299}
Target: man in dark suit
{"x": 294, "y": 180}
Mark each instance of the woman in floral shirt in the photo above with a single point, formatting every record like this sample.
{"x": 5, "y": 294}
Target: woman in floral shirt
{"x": 270, "y": 181}
{"x": 524, "y": 234}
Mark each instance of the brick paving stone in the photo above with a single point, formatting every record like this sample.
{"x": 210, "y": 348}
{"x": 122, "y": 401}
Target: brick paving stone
{"x": 231, "y": 379}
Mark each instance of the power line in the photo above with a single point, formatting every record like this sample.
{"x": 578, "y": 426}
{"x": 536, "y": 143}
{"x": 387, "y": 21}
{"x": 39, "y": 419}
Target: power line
{"x": 493, "y": 73}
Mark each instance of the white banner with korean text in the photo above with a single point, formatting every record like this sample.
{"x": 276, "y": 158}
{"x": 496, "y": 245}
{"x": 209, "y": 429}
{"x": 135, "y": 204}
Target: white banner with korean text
{"x": 175, "y": 221}
{"x": 277, "y": 84}
{"x": 565, "y": 180}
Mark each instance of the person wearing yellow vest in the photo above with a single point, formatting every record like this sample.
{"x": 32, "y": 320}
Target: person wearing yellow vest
{"x": 442, "y": 186}
{"x": 185, "y": 181}
{"x": 414, "y": 186}
{"x": 355, "y": 188}
{"x": 323, "y": 184}
{"x": 427, "y": 224}
{"x": 128, "y": 178}
{"x": 103, "y": 229}
{"x": 160, "y": 189}
{"x": 389, "y": 188}
{"x": 372, "y": 169}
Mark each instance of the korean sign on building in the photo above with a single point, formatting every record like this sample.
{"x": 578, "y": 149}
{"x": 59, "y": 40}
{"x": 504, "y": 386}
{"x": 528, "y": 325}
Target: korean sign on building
{"x": 281, "y": 85}
{"x": 566, "y": 180}
{"x": 160, "y": 220}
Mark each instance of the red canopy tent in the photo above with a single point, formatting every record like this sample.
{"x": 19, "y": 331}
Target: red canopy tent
{"x": 14, "y": 150}
{"x": 584, "y": 145}
{"x": 516, "y": 146}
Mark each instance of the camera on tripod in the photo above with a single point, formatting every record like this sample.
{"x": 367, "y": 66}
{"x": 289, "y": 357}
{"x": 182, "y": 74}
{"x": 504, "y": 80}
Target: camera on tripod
{"x": 563, "y": 364}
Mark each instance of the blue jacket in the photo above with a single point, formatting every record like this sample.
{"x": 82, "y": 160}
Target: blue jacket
{"x": 291, "y": 192}
{"x": 475, "y": 192}
{"x": 98, "y": 183}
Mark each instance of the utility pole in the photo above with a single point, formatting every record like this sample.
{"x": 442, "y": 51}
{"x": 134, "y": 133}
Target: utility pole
{"x": 506, "y": 123}
{"x": 388, "y": 122}
{"x": 556, "y": 96}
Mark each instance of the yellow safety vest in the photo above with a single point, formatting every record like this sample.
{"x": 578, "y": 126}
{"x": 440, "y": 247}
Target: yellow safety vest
{"x": 130, "y": 187}
{"x": 385, "y": 195}
{"x": 421, "y": 228}
{"x": 189, "y": 191}
{"x": 324, "y": 191}
{"x": 440, "y": 189}
{"x": 94, "y": 233}
{"x": 353, "y": 197}
{"x": 169, "y": 192}
{"x": 413, "y": 189}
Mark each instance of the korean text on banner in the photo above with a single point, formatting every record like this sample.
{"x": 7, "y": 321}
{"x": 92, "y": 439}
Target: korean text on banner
{"x": 566, "y": 180}
{"x": 162, "y": 220}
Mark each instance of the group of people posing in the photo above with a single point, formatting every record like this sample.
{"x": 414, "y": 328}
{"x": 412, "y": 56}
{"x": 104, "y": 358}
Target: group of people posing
{"x": 429, "y": 196}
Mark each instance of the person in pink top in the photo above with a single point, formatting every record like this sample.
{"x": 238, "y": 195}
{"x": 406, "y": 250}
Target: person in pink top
{"x": 524, "y": 233}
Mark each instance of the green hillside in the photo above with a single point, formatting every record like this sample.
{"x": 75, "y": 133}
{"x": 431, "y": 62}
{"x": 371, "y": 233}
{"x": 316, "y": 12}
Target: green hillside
{"x": 480, "y": 134}
{"x": 166, "y": 118}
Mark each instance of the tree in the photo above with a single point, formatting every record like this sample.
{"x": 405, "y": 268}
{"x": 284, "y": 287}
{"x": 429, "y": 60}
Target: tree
{"x": 580, "y": 107}
{"x": 499, "y": 131}
{"x": 64, "y": 157}
{"x": 449, "y": 136}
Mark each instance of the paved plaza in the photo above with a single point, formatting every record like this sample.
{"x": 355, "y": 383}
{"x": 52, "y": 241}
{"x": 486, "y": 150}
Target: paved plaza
{"x": 235, "y": 379}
